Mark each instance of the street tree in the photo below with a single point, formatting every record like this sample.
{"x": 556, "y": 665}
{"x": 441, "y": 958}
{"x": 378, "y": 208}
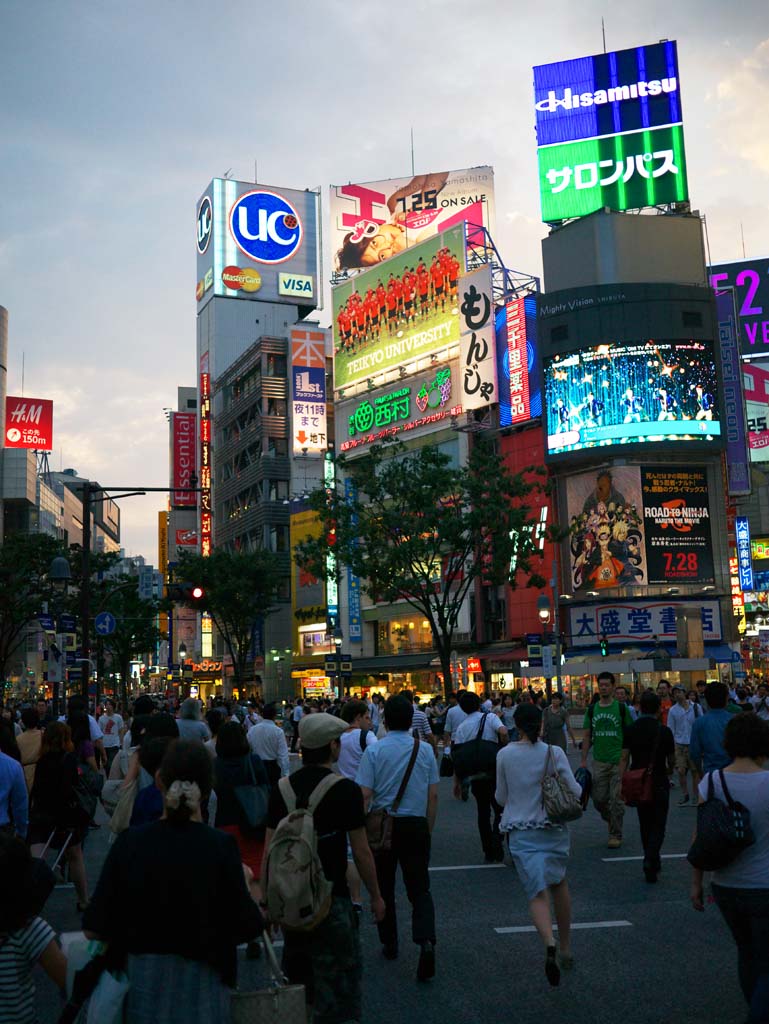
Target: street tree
{"x": 239, "y": 588}
{"x": 25, "y": 559}
{"x": 136, "y": 630}
{"x": 416, "y": 528}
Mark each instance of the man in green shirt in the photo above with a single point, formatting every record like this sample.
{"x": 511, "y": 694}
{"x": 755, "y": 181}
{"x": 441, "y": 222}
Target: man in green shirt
{"x": 605, "y": 724}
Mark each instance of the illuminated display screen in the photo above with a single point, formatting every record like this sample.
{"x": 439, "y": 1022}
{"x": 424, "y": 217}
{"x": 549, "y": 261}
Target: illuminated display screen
{"x": 629, "y": 393}
{"x": 623, "y": 172}
{"x": 610, "y": 132}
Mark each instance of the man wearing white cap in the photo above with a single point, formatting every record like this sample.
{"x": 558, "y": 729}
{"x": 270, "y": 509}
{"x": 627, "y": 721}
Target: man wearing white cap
{"x": 327, "y": 960}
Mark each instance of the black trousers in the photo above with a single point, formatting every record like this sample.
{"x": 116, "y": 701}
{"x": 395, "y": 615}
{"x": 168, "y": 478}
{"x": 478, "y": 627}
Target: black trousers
{"x": 489, "y": 813}
{"x": 411, "y": 849}
{"x": 746, "y": 912}
{"x": 652, "y": 820}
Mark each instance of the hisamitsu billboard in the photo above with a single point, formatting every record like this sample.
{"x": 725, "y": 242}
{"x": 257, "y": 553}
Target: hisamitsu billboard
{"x": 29, "y": 423}
{"x": 610, "y": 132}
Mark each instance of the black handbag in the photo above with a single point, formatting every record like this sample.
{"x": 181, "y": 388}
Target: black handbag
{"x": 253, "y": 800}
{"x": 723, "y": 830}
{"x": 476, "y": 756}
{"x": 446, "y": 769}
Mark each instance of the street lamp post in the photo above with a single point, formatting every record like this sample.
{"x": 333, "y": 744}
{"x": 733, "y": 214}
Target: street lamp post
{"x": 60, "y": 576}
{"x": 338, "y": 657}
{"x": 544, "y": 609}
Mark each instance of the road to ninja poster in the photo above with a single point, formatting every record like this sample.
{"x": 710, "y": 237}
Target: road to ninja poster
{"x": 629, "y": 393}
{"x": 606, "y": 529}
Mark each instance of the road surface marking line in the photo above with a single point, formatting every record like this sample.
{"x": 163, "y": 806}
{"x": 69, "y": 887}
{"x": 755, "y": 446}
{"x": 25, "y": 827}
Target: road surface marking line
{"x": 520, "y": 929}
{"x": 665, "y": 856}
{"x": 469, "y": 867}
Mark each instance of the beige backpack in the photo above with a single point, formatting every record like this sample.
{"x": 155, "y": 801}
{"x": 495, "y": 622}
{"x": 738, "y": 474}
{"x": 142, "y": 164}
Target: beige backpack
{"x": 297, "y": 892}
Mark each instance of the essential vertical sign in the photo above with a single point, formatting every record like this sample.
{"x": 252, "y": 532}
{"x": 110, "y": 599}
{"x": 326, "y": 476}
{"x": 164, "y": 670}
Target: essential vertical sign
{"x": 735, "y": 420}
{"x": 206, "y": 530}
{"x": 744, "y": 558}
{"x": 182, "y": 459}
{"x": 610, "y": 132}
{"x": 354, "y": 627}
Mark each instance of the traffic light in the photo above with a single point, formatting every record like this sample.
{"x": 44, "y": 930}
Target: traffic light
{"x": 604, "y": 647}
{"x": 186, "y": 593}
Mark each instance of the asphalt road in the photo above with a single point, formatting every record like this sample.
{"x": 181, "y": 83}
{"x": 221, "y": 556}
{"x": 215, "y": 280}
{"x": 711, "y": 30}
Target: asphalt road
{"x": 664, "y": 964}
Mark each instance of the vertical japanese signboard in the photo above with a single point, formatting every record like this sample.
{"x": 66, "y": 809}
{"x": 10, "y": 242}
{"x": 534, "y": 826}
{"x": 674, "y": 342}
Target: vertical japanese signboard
{"x": 744, "y": 558}
{"x": 354, "y": 629}
{"x": 206, "y": 529}
{"x": 477, "y": 362}
{"x": 735, "y": 426}
{"x": 308, "y": 376}
{"x": 610, "y": 132}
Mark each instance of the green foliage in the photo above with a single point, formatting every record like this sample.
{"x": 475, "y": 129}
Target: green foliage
{"x": 423, "y": 531}
{"x": 24, "y": 563}
{"x": 239, "y": 588}
{"x": 136, "y": 632}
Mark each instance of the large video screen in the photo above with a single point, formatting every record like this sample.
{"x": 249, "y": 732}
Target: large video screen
{"x": 627, "y": 393}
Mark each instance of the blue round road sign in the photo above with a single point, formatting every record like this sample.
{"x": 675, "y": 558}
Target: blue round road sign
{"x": 105, "y": 623}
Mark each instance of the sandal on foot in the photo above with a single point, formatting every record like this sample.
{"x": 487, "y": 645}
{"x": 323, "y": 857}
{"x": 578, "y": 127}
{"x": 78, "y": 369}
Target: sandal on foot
{"x": 566, "y": 960}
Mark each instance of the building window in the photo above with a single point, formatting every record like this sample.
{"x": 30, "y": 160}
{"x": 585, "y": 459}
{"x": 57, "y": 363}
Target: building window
{"x": 277, "y": 446}
{"x": 276, "y": 366}
{"x": 277, "y": 489}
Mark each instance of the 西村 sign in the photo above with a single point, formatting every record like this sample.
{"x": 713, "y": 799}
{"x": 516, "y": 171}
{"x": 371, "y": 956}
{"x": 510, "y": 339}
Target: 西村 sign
{"x": 415, "y": 407}
{"x": 744, "y": 559}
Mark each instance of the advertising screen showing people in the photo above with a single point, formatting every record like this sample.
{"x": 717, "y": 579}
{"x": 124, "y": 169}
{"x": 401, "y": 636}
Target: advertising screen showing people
{"x": 400, "y": 310}
{"x": 630, "y": 393}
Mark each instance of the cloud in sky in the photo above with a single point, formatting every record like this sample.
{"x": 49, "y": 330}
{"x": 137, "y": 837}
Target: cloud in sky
{"x": 115, "y": 117}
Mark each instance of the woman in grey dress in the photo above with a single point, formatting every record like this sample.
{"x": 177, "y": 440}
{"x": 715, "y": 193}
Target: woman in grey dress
{"x": 555, "y": 723}
{"x": 539, "y": 848}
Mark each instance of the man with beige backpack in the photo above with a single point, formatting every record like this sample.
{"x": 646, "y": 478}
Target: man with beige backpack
{"x": 311, "y": 815}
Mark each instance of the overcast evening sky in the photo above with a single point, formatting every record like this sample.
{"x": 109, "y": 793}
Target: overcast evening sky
{"x": 115, "y": 116}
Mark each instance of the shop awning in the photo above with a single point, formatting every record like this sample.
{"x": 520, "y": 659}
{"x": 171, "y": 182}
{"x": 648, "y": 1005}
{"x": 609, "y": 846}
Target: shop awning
{"x": 510, "y": 654}
{"x": 721, "y": 653}
{"x": 392, "y": 663}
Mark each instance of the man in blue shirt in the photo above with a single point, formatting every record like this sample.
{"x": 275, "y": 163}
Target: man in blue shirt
{"x": 706, "y": 746}
{"x": 14, "y": 804}
{"x": 380, "y": 774}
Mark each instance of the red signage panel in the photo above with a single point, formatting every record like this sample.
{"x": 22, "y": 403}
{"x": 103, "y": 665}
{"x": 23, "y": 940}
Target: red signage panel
{"x": 183, "y": 458}
{"x": 29, "y": 423}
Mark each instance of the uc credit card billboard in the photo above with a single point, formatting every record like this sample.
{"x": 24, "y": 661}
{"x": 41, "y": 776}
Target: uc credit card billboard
{"x": 399, "y": 311}
{"x": 610, "y": 132}
{"x": 376, "y": 220}
{"x": 257, "y": 242}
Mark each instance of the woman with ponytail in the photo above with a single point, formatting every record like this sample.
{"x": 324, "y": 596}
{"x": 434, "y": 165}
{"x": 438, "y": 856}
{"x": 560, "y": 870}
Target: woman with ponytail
{"x": 539, "y": 848}
{"x": 172, "y": 903}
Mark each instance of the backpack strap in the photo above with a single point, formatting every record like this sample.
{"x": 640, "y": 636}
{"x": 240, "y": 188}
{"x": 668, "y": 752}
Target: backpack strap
{"x": 287, "y": 792}
{"x": 363, "y": 739}
{"x": 484, "y": 716}
{"x": 405, "y": 780}
{"x": 320, "y": 791}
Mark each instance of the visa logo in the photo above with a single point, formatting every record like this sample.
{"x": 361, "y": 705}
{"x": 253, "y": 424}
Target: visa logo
{"x": 295, "y": 284}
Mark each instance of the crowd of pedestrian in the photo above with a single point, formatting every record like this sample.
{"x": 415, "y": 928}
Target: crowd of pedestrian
{"x": 292, "y": 845}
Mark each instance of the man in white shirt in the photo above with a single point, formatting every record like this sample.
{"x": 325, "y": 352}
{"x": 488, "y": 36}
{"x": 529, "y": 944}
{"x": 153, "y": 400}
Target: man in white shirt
{"x": 296, "y": 717}
{"x": 268, "y": 741}
{"x": 454, "y": 716}
{"x": 252, "y": 715}
{"x": 111, "y": 725}
{"x": 359, "y": 736}
{"x": 681, "y": 717}
{"x": 761, "y": 701}
{"x": 420, "y": 724}
{"x": 482, "y": 785}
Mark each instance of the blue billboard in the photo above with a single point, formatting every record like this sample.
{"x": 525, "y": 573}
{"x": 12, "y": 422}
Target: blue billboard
{"x": 607, "y": 94}
{"x": 518, "y": 373}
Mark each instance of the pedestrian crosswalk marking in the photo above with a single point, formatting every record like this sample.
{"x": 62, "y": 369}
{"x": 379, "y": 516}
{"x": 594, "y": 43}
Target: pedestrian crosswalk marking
{"x": 519, "y": 929}
{"x": 468, "y": 867}
{"x": 665, "y": 856}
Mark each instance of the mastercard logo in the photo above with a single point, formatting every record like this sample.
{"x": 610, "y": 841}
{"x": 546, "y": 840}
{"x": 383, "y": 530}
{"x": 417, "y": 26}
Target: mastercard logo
{"x": 237, "y": 278}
